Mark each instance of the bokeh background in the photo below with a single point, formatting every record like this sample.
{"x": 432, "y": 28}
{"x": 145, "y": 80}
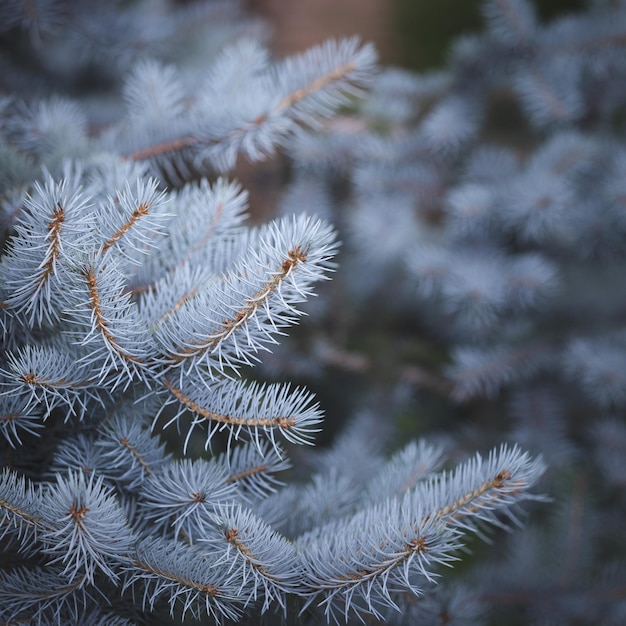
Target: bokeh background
{"x": 415, "y": 34}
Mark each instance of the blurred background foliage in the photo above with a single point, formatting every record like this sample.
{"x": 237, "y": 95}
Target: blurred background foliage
{"x": 415, "y": 34}
{"x": 385, "y": 353}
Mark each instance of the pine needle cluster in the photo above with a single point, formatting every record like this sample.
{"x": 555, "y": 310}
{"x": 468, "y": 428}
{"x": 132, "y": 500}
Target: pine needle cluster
{"x": 136, "y": 297}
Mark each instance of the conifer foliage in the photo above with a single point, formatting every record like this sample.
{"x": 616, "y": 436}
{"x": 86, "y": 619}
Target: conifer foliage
{"x": 485, "y": 210}
{"x": 135, "y": 297}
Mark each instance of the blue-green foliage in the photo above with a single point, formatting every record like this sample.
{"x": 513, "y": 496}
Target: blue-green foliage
{"x": 484, "y": 216}
{"x": 135, "y": 297}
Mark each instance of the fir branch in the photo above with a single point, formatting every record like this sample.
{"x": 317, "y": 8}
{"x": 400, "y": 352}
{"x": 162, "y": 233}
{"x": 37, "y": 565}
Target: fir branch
{"x": 129, "y": 451}
{"x": 101, "y": 323}
{"x": 79, "y": 453}
{"x": 357, "y": 562}
{"x": 135, "y": 218}
{"x": 185, "y": 576}
{"x": 252, "y": 469}
{"x": 54, "y": 225}
{"x": 249, "y": 409}
{"x": 20, "y": 504}
{"x": 317, "y": 83}
{"x": 545, "y": 90}
{"x": 485, "y": 371}
{"x": 38, "y": 595}
{"x": 19, "y": 416}
{"x": 254, "y": 301}
{"x": 183, "y": 496}
{"x": 86, "y": 529}
{"x": 54, "y": 247}
{"x": 51, "y": 377}
{"x": 258, "y": 553}
{"x": 498, "y": 481}
{"x": 112, "y": 329}
{"x": 403, "y": 472}
{"x": 511, "y": 19}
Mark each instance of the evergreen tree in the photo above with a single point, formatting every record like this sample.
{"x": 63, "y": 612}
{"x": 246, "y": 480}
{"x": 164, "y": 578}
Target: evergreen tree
{"x": 137, "y": 298}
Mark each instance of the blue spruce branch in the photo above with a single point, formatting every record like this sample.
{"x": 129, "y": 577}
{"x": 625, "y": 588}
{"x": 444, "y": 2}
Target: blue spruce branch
{"x": 136, "y": 296}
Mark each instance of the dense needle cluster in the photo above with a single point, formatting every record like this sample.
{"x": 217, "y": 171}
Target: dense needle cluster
{"x": 483, "y": 228}
{"x": 135, "y": 298}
